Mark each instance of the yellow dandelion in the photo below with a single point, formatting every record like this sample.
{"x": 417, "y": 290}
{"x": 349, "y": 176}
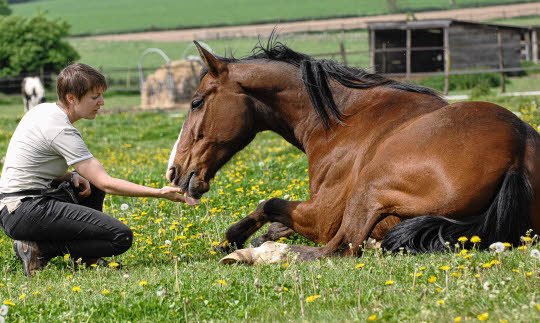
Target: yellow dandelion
{"x": 66, "y": 256}
{"x": 372, "y": 317}
{"x": 35, "y": 293}
{"x": 503, "y": 321}
{"x": 462, "y": 239}
{"x": 475, "y": 239}
{"x": 312, "y": 298}
{"x": 143, "y": 283}
{"x": 487, "y": 265}
{"x": 114, "y": 264}
{"x": 522, "y": 247}
{"x": 431, "y": 279}
{"x": 526, "y": 239}
{"x": 8, "y": 302}
{"x": 444, "y": 268}
{"x": 422, "y": 268}
{"x": 529, "y": 274}
{"x": 105, "y": 292}
{"x": 76, "y": 289}
{"x": 285, "y": 265}
{"x": 389, "y": 282}
{"x": 222, "y": 282}
{"x": 483, "y": 316}
{"x": 23, "y": 296}
{"x": 457, "y": 319}
{"x": 360, "y": 265}
{"x": 456, "y": 274}
{"x": 507, "y": 245}
{"x": 441, "y": 301}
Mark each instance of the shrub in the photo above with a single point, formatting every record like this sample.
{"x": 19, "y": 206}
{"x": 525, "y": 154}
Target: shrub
{"x": 462, "y": 81}
{"x": 4, "y": 8}
{"x": 30, "y": 45}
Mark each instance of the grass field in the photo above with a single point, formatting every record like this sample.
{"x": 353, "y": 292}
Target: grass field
{"x": 182, "y": 281}
{"x": 102, "y": 16}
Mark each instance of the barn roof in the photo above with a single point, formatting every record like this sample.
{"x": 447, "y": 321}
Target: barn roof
{"x": 439, "y": 23}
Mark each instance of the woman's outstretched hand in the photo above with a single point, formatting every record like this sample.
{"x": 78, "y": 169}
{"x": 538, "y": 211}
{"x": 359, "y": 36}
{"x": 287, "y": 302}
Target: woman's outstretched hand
{"x": 175, "y": 194}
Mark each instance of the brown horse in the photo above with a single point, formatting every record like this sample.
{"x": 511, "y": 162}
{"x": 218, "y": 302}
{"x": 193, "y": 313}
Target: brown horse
{"x": 387, "y": 160}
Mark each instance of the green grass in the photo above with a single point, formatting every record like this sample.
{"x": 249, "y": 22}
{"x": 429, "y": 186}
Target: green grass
{"x": 102, "y": 16}
{"x": 519, "y": 21}
{"x": 184, "y": 281}
{"x": 123, "y": 55}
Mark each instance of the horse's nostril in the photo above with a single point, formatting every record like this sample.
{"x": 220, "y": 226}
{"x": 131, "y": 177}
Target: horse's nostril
{"x": 171, "y": 174}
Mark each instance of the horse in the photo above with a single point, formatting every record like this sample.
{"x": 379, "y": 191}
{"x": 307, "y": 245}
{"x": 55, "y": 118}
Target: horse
{"x": 32, "y": 92}
{"x": 386, "y": 159}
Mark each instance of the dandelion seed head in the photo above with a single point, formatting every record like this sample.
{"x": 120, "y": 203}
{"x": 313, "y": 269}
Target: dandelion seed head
{"x": 497, "y": 247}
{"x": 535, "y": 253}
{"x": 124, "y": 207}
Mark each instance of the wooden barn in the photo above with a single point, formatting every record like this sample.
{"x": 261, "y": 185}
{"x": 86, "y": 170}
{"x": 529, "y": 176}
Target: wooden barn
{"x": 422, "y": 46}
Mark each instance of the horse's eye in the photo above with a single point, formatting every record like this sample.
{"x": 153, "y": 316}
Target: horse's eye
{"x": 196, "y": 103}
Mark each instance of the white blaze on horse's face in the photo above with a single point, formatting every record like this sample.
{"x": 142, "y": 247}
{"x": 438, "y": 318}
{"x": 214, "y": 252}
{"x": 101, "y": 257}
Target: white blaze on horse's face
{"x": 173, "y": 154}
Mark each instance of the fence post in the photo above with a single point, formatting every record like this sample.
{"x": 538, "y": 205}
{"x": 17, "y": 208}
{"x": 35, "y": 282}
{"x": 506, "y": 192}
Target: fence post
{"x": 128, "y": 79}
{"x": 501, "y": 61}
{"x": 534, "y": 36}
{"x": 446, "y": 46}
{"x": 372, "y": 49}
{"x": 343, "y": 54}
{"x": 408, "y": 54}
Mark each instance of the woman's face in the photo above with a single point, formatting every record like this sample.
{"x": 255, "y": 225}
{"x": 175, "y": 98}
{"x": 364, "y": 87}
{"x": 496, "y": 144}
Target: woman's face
{"x": 87, "y": 107}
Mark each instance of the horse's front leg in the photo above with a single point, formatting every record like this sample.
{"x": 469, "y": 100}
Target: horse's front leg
{"x": 275, "y": 232}
{"x": 275, "y": 210}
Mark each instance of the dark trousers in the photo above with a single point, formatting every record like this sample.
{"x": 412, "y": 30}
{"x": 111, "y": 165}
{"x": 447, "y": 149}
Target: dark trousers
{"x": 58, "y": 227}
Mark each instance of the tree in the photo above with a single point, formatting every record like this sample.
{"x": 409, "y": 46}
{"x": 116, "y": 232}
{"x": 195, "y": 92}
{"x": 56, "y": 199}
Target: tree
{"x": 4, "y": 8}
{"x": 31, "y": 45}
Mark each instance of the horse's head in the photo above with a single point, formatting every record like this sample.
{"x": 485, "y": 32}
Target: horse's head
{"x": 220, "y": 122}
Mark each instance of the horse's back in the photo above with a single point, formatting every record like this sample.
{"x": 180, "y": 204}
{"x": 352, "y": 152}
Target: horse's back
{"x": 451, "y": 161}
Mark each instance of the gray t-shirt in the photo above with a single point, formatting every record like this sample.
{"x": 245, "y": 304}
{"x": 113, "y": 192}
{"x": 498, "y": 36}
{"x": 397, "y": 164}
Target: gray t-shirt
{"x": 41, "y": 149}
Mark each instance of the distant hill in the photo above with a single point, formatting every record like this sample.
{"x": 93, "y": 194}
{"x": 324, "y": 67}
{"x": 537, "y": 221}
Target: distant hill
{"x": 120, "y": 16}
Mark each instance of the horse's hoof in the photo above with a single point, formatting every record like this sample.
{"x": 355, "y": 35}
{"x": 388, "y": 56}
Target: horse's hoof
{"x": 223, "y": 247}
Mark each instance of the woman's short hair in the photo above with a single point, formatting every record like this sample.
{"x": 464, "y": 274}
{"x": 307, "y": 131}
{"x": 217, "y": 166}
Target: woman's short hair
{"x": 78, "y": 79}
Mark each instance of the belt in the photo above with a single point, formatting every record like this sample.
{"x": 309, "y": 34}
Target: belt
{"x": 21, "y": 193}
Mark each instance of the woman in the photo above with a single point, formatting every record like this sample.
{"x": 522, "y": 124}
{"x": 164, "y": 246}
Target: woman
{"x": 46, "y": 221}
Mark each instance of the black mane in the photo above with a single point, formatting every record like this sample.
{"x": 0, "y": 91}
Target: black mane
{"x": 315, "y": 74}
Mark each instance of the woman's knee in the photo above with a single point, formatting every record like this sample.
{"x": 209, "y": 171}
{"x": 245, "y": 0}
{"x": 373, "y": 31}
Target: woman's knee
{"x": 123, "y": 240}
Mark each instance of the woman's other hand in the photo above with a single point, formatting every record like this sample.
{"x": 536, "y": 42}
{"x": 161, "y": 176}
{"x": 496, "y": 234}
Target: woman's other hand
{"x": 82, "y": 184}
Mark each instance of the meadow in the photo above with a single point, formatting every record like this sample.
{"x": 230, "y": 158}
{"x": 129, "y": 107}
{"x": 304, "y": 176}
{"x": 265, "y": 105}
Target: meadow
{"x": 90, "y": 17}
{"x": 172, "y": 273}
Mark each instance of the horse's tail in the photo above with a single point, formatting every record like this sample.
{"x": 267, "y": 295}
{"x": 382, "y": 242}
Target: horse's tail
{"x": 505, "y": 220}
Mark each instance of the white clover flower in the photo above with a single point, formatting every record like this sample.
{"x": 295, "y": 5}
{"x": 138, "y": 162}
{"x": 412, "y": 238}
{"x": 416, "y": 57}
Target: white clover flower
{"x": 486, "y": 285}
{"x": 261, "y": 164}
{"x": 286, "y": 196}
{"x": 124, "y": 207}
{"x": 497, "y": 247}
{"x": 535, "y": 253}
{"x": 168, "y": 242}
{"x": 4, "y": 310}
{"x": 126, "y": 276}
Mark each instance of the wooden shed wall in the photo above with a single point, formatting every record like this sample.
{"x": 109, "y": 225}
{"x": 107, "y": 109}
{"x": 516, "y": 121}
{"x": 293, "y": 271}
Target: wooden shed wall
{"x": 475, "y": 46}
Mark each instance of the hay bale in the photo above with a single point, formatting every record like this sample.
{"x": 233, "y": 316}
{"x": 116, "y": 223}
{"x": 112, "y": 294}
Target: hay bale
{"x": 185, "y": 74}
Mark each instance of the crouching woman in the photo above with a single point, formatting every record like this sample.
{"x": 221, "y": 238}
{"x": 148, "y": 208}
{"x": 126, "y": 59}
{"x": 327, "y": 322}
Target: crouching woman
{"x": 48, "y": 210}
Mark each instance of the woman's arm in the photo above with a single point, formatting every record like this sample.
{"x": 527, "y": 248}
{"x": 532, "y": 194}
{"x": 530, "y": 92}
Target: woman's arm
{"x": 92, "y": 170}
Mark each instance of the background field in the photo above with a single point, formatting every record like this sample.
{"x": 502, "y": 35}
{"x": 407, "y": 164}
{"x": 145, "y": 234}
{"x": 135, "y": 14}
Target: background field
{"x": 90, "y": 17}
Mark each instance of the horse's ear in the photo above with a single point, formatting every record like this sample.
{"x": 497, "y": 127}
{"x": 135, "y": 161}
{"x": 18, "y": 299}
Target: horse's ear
{"x": 214, "y": 64}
